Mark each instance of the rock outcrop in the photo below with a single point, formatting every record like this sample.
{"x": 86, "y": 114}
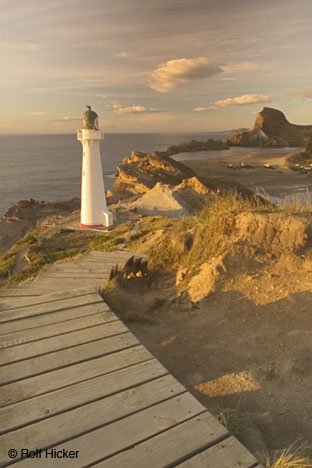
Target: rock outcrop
{"x": 141, "y": 171}
{"x": 154, "y": 184}
{"x": 272, "y": 129}
{"x": 32, "y": 210}
{"x": 193, "y": 146}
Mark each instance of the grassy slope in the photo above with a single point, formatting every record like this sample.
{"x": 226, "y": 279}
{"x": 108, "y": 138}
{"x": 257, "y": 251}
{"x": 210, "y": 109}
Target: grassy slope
{"x": 170, "y": 243}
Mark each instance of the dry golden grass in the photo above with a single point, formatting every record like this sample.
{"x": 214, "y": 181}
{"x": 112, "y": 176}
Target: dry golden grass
{"x": 295, "y": 456}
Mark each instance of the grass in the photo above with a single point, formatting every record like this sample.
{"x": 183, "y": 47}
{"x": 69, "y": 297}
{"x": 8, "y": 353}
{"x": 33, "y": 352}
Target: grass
{"x": 299, "y": 161}
{"x": 108, "y": 286}
{"x": 236, "y": 423}
{"x": 8, "y": 261}
{"x": 65, "y": 244}
{"x": 295, "y": 456}
{"x": 109, "y": 241}
{"x": 208, "y": 231}
{"x": 42, "y": 251}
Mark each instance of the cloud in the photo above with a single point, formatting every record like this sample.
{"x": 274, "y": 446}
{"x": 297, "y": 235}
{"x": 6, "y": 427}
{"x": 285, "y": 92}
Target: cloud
{"x": 243, "y": 100}
{"x": 103, "y": 96}
{"x": 136, "y": 109}
{"x": 122, "y": 55}
{"x": 20, "y": 46}
{"x": 65, "y": 119}
{"x": 176, "y": 73}
{"x": 204, "y": 109}
{"x": 40, "y": 113}
{"x": 243, "y": 67}
{"x": 304, "y": 93}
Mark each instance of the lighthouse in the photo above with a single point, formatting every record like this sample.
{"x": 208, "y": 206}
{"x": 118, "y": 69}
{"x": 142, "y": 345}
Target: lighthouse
{"x": 94, "y": 212}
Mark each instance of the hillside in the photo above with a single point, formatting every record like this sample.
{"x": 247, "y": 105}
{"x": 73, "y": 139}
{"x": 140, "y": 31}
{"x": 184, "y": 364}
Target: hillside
{"x": 272, "y": 129}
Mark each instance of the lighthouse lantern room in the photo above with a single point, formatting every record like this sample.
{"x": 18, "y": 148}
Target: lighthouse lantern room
{"x": 94, "y": 212}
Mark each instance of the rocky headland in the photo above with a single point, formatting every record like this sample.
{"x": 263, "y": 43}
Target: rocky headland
{"x": 272, "y": 130}
{"x": 156, "y": 175}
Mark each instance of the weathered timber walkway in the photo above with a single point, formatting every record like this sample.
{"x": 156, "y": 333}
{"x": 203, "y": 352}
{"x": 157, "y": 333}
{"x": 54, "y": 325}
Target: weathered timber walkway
{"x": 74, "y": 378}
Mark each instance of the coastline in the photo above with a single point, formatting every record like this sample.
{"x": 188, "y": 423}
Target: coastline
{"x": 278, "y": 181}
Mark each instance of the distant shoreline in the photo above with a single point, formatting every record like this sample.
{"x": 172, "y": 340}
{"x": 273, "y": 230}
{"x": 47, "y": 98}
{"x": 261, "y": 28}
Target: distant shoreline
{"x": 277, "y": 181}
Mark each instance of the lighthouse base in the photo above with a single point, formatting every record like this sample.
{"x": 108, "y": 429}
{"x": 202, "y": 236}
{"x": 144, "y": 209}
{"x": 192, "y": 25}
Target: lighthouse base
{"x": 107, "y": 221}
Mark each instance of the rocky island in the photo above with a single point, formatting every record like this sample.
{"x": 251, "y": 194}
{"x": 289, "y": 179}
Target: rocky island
{"x": 272, "y": 129}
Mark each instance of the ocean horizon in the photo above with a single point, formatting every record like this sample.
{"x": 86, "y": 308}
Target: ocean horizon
{"x": 48, "y": 167}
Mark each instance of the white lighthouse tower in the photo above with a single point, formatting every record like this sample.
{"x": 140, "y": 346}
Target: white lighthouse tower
{"x": 94, "y": 210}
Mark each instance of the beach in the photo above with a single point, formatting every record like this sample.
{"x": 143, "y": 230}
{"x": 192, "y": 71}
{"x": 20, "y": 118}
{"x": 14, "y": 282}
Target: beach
{"x": 277, "y": 181}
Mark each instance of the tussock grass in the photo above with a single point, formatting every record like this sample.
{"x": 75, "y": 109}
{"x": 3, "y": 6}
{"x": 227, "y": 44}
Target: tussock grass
{"x": 295, "y": 456}
{"x": 42, "y": 251}
{"x": 210, "y": 230}
{"x": 188, "y": 241}
{"x": 108, "y": 286}
{"x": 8, "y": 261}
{"x": 107, "y": 242}
{"x": 297, "y": 205}
{"x": 215, "y": 224}
{"x": 236, "y": 423}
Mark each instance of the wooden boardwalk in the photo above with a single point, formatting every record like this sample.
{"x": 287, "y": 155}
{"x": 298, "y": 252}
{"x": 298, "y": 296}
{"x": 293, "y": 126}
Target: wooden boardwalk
{"x": 75, "y": 381}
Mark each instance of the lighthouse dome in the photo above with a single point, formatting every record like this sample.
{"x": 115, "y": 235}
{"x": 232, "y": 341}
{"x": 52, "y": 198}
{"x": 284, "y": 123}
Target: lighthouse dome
{"x": 90, "y": 119}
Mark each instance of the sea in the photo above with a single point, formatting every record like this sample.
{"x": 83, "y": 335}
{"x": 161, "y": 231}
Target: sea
{"x": 48, "y": 167}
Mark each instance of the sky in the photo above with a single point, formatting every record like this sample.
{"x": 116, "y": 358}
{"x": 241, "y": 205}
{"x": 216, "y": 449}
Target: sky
{"x": 153, "y": 65}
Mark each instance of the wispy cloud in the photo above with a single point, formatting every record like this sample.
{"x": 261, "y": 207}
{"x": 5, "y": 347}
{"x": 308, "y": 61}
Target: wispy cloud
{"x": 304, "y": 93}
{"x": 20, "y": 46}
{"x": 245, "y": 67}
{"x": 122, "y": 55}
{"x": 40, "y": 113}
{"x": 244, "y": 100}
{"x": 134, "y": 109}
{"x": 176, "y": 73}
{"x": 205, "y": 109}
{"x": 65, "y": 118}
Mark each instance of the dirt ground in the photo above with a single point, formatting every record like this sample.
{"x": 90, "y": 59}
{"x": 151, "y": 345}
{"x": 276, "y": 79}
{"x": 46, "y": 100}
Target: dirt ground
{"x": 245, "y": 345}
{"x": 252, "y": 356}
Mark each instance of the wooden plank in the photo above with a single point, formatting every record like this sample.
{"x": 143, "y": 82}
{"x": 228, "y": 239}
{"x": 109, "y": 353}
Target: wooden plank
{"x": 45, "y": 284}
{"x": 13, "y": 303}
{"x": 19, "y": 293}
{"x": 73, "y": 276}
{"x": 59, "y": 316}
{"x": 29, "y": 311}
{"x": 226, "y": 454}
{"x": 44, "y": 406}
{"x": 126, "y": 432}
{"x": 74, "y": 272}
{"x": 82, "y": 267}
{"x": 94, "y": 261}
{"x": 55, "y": 343}
{"x": 55, "y": 329}
{"x": 44, "y": 383}
{"x": 113, "y": 254}
{"x": 172, "y": 446}
{"x": 48, "y": 362}
{"x": 78, "y": 421}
